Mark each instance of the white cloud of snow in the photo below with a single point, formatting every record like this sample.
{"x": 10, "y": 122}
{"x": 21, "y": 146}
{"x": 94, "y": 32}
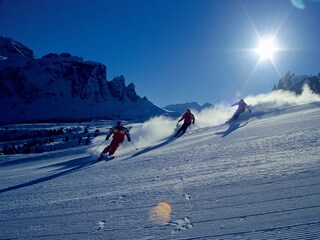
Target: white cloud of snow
{"x": 153, "y": 130}
{"x": 215, "y": 115}
{"x": 279, "y": 99}
{"x": 160, "y": 128}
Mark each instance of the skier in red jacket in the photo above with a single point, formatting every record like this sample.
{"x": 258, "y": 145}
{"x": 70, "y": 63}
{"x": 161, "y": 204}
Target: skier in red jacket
{"x": 188, "y": 118}
{"x": 118, "y": 131}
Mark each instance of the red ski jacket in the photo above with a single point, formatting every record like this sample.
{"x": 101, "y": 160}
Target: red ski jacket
{"x": 188, "y": 118}
{"x": 119, "y": 133}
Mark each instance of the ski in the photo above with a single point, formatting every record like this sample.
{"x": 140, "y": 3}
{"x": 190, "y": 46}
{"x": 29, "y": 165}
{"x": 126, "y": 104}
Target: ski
{"x": 105, "y": 158}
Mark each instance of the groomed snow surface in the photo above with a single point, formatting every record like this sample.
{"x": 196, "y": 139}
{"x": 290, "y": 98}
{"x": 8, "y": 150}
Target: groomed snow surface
{"x": 256, "y": 179}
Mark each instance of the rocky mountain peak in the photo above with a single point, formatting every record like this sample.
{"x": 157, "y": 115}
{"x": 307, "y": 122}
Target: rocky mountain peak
{"x": 295, "y": 83}
{"x": 11, "y": 47}
{"x": 69, "y": 86}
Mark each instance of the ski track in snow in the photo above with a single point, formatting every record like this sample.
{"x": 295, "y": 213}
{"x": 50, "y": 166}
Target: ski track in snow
{"x": 260, "y": 180}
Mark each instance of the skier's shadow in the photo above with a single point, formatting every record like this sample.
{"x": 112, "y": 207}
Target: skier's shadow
{"x": 68, "y": 167}
{"x": 148, "y": 149}
{"x": 232, "y": 128}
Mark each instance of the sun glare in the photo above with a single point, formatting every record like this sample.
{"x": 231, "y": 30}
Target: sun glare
{"x": 266, "y": 48}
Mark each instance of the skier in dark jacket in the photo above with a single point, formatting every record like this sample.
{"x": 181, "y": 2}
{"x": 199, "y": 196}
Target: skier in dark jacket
{"x": 241, "y": 108}
{"x": 188, "y": 118}
{"x": 119, "y": 132}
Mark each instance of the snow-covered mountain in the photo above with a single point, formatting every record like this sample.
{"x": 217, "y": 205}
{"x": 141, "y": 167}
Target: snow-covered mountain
{"x": 295, "y": 83}
{"x": 181, "y": 108}
{"x": 63, "y": 87}
{"x": 255, "y": 179}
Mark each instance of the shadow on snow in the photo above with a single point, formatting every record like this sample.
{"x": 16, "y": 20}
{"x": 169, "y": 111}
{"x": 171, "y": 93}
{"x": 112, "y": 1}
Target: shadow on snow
{"x": 68, "y": 167}
{"x": 232, "y": 128}
{"x": 151, "y": 148}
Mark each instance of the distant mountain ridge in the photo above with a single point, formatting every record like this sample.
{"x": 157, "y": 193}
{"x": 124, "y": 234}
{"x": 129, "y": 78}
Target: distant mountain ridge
{"x": 63, "y": 87}
{"x": 181, "y": 108}
{"x": 295, "y": 83}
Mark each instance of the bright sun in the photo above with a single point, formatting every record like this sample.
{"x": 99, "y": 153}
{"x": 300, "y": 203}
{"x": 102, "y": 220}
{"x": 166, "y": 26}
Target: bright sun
{"x": 266, "y": 48}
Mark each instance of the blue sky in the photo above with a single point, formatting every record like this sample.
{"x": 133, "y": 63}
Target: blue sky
{"x": 174, "y": 51}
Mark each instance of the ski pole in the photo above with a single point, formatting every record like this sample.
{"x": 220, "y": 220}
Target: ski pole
{"x": 99, "y": 145}
{"x": 133, "y": 145}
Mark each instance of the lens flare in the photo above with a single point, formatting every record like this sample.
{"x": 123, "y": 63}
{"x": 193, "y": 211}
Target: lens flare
{"x": 161, "y": 213}
{"x": 298, "y": 4}
{"x": 266, "y": 48}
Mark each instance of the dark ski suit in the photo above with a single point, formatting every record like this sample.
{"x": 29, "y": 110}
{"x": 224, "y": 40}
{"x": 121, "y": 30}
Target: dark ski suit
{"x": 188, "y": 118}
{"x": 241, "y": 108}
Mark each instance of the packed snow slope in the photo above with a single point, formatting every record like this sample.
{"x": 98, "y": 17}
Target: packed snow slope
{"x": 256, "y": 179}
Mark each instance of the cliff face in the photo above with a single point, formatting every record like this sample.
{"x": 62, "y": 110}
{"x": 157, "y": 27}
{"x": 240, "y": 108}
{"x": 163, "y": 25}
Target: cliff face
{"x": 295, "y": 83}
{"x": 62, "y": 86}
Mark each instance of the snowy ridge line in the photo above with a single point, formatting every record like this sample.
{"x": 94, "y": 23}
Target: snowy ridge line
{"x": 255, "y": 184}
{"x": 246, "y": 203}
{"x": 258, "y": 214}
{"x": 233, "y": 234}
{"x": 252, "y": 203}
{"x": 266, "y": 191}
{"x": 222, "y": 198}
{"x": 285, "y": 180}
{"x": 18, "y": 50}
{"x": 260, "y": 192}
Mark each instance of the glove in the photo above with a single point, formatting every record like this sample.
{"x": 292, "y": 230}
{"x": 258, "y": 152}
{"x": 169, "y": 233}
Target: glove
{"x": 107, "y": 137}
{"x": 129, "y": 139}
